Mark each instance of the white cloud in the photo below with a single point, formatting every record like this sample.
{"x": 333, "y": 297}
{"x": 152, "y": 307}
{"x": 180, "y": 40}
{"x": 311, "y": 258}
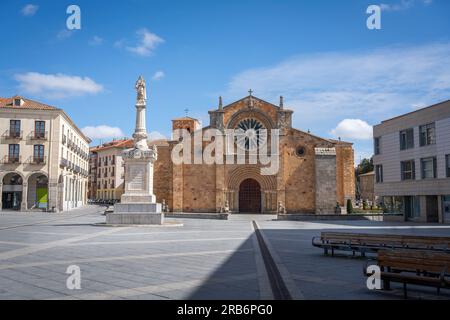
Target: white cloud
{"x": 29, "y": 10}
{"x": 376, "y": 85}
{"x": 155, "y": 135}
{"x": 353, "y": 129}
{"x": 119, "y": 43}
{"x": 103, "y": 132}
{"x": 158, "y": 75}
{"x": 404, "y": 5}
{"x": 96, "y": 41}
{"x": 56, "y": 85}
{"x": 64, "y": 34}
{"x": 147, "y": 43}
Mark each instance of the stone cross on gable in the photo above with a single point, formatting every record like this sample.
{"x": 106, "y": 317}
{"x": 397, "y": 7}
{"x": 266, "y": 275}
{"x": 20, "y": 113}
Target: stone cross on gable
{"x": 250, "y": 101}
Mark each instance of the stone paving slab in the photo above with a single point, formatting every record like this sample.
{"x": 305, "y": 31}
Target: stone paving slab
{"x": 204, "y": 259}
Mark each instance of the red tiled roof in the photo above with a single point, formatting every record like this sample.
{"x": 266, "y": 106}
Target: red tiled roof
{"x": 27, "y": 104}
{"x": 123, "y": 143}
{"x": 184, "y": 118}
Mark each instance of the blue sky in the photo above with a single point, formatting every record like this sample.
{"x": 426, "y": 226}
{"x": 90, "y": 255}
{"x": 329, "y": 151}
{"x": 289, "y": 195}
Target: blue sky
{"x": 339, "y": 77}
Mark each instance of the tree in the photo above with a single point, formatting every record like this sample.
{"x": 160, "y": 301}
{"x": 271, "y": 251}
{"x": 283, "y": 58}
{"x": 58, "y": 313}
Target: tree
{"x": 365, "y": 166}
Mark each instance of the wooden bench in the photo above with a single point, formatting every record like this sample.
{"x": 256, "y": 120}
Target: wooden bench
{"x": 372, "y": 243}
{"x": 417, "y": 267}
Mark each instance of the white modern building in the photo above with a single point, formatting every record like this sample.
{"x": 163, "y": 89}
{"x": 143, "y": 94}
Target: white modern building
{"x": 412, "y": 164}
{"x": 43, "y": 157}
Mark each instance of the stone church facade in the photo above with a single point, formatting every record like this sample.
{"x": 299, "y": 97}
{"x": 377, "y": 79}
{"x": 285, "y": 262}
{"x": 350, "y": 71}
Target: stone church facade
{"x": 314, "y": 173}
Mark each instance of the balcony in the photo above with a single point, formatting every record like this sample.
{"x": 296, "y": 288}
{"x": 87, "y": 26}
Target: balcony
{"x": 38, "y": 160}
{"x": 12, "y": 159}
{"x": 77, "y": 169}
{"x": 13, "y": 135}
{"x": 63, "y": 163}
{"x": 70, "y": 144}
{"x": 39, "y": 135}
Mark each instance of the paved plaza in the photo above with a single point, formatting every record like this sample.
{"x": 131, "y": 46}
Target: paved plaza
{"x": 203, "y": 259}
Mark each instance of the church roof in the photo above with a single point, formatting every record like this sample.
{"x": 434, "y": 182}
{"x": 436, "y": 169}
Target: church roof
{"x": 185, "y": 118}
{"x": 248, "y": 97}
{"x": 336, "y": 142}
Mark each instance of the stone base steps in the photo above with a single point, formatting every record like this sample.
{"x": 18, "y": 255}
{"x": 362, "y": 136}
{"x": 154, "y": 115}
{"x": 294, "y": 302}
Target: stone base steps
{"x": 313, "y": 217}
{"x": 214, "y": 216}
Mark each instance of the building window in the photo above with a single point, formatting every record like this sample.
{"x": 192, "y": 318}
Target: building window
{"x": 379, "y": 173}
{"x": 38, "y": 153}
{"x": 39, "y": 129}
{"x": 14, "y": 128}
{"x": 377, "y": 145}
{"x": 408, "y": 170}
{"x": 428, "y": 166}
{"x": 447, "y": 165}
{"x": 427, "y": 134}
{"x": 14, "y": 152}
{"x": 407, "y": 139}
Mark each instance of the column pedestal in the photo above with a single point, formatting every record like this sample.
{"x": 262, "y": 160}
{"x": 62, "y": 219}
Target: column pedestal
{"x": 138, "y": 204}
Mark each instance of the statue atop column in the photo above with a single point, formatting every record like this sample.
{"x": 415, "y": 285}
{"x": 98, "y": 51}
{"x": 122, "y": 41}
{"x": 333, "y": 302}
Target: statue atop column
{"x": 141, "y": 90}
{"x": 140, "y": 133}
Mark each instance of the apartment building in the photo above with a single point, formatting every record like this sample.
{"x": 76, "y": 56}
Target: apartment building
{"x": 107, "y": 170}
{"x": 44, "y": 157}
{"x": 412, "y": 164}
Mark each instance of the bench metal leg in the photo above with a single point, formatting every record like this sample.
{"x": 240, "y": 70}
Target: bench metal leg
{"x": 386, "y": 285}
{"x": 405, "y": 290}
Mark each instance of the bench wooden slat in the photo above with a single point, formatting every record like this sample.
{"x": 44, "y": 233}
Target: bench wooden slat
{"x": 384, "y": 240}
{"x": 419, "y": 267}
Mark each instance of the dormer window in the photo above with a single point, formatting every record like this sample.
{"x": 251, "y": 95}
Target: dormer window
{"x": 18, "y": 102}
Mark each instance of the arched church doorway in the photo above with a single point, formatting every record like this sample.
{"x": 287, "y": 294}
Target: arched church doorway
{"x": 12, "y": 191}
{"x": 250, "y": 196}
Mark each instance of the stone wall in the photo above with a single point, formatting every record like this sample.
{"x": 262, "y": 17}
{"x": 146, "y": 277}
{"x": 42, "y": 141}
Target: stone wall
{"x": 162, "y": 176}
{"x": 325, "y": 180}
{"x": 306, "y": 183}
{"x": 345, "y": 173}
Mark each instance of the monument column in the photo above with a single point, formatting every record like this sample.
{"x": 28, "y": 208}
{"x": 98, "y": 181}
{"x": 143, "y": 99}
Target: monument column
{"x": 138, "y": 204}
